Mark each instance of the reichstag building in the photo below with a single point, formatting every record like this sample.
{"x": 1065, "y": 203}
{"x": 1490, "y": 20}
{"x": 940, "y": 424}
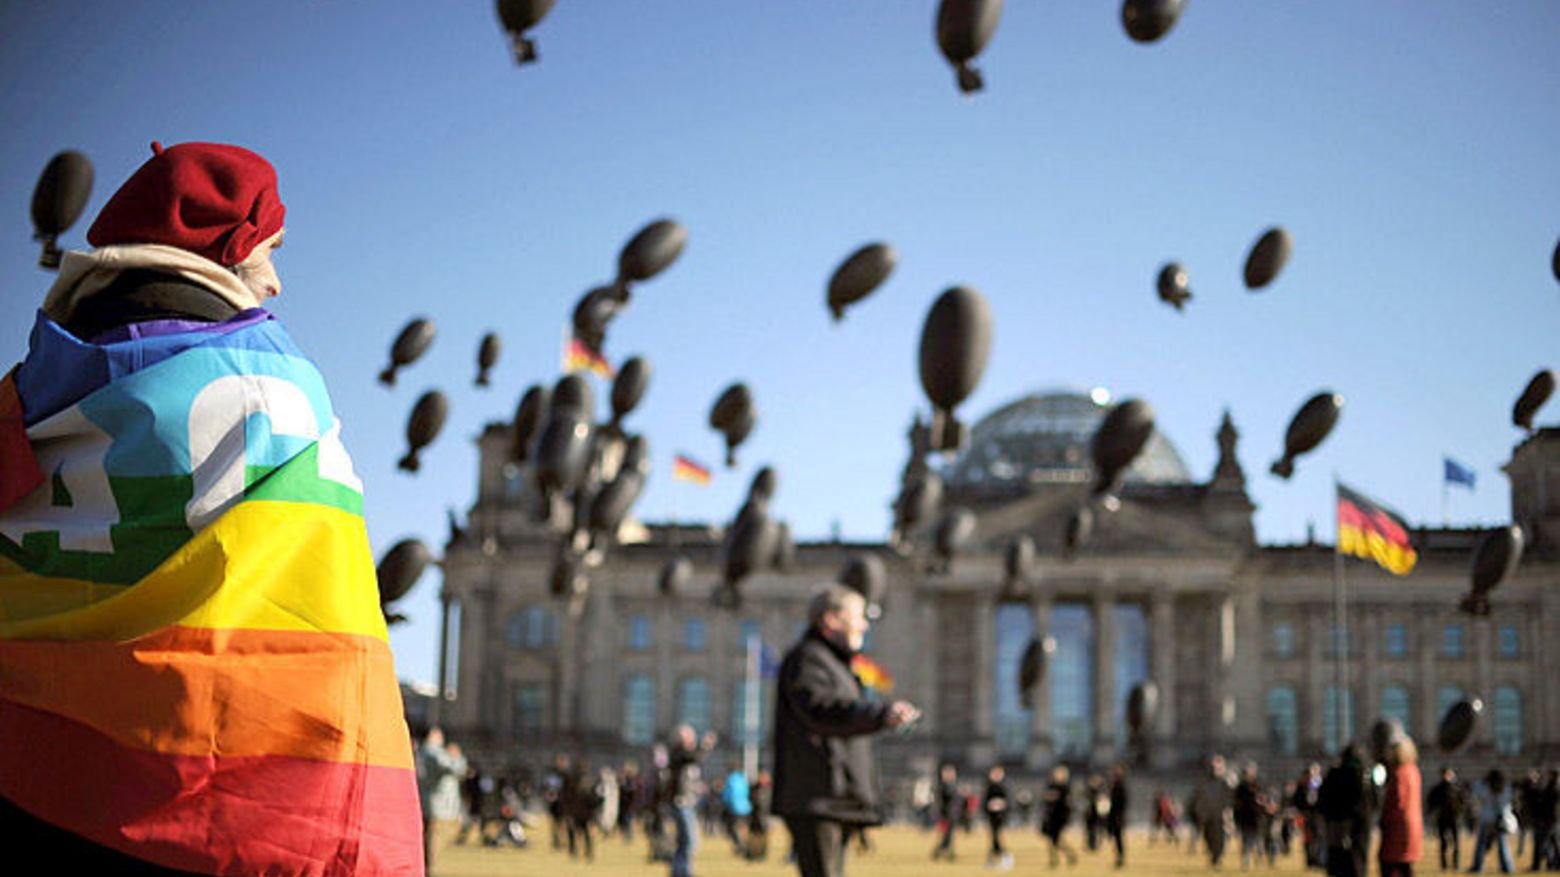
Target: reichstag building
{"x": 1173, "y": 588}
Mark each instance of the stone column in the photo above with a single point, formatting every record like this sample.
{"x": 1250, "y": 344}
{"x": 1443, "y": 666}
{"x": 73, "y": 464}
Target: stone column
{"x": 1424, "y": 643}
{"x": 926, "y": 664}
{"x": 722, "y": 634}
{"x": 1223, "y": 670}
{"x": 571, "y": 655}
{"x": 982, "y": 749}
{"x": 1040, "y": 740}
{"x": 1162, "y": 641}
{"x": 1319, "y": 672}
{"x": 1484, "y": 669}
{"x": 1105, "y": 694}
{"x": 666, "y": 638}
{"x": 441, "y": 683}
{"x": 1365, "y": 653}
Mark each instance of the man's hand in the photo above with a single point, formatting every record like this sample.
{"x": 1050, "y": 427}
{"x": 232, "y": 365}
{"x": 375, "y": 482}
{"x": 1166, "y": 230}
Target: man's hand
{"x": 902, "y": 712}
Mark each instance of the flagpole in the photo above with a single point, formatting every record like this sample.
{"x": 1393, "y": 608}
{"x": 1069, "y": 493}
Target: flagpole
{"x": 1446, "y": 501}
{"x": 750, "y": 711}
{"x": 1340, "y": 630}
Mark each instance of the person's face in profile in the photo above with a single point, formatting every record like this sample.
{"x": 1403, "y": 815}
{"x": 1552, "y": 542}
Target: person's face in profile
{"x": 848, "y": 625}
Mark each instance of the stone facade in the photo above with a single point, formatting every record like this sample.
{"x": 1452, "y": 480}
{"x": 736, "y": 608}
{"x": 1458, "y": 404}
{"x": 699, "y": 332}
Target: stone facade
{"x": 1237, "y": 636}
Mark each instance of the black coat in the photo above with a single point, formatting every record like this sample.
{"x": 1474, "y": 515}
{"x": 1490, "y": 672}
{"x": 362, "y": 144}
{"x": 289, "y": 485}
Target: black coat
{"x": 824, "y": 762}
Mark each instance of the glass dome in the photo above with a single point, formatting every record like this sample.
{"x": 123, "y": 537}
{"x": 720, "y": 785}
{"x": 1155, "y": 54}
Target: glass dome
{"x": 1044, "y": 439}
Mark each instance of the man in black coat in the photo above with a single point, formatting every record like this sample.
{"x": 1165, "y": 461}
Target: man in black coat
{"x": 825, "y": 768}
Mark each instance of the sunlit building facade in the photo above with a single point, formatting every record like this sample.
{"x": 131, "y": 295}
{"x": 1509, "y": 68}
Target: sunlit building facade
{"x": 1238, "y": 638}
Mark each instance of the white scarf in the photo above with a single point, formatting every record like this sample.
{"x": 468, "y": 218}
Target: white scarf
{"x": 83, "y": 275}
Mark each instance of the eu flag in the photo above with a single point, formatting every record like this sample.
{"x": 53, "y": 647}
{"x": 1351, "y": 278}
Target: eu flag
{"x": 1457, "y": 473}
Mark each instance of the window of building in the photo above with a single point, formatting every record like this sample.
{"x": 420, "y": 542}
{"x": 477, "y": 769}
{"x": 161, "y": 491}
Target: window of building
{"x": 1452, "y": 641}
{"x": 693, "y": 703}
{"x": 1508, "y": 720}
{"x": 1071, "y": 672}
{"x": 534, "y": 627}
{"x": 1283, "y": 715}
{"x": 1130, "y": 663}
{"x": 693, "y": 634}
{"x": 639, "y": 710}
{"x": 740, "y": 733}
{"x": 530, "y": 710}
{"x": 1445, "y": 698}
{"x": 1282, "y": 639}
{"x": 1014, "y": 724}
{"x": 1337, "y": 724}
{"x": 1508, "y": 643}
{"x": 1394, "y": 641}
{"x": 1396, "y": 704}
{"x": 639, "y": 633}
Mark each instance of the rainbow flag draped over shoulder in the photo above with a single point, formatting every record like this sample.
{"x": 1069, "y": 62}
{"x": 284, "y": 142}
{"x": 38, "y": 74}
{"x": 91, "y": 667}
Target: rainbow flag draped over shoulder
{"x": 1368, "y": 530}
{"x": 194, "y": 668}
{"x": 872, "y": 674}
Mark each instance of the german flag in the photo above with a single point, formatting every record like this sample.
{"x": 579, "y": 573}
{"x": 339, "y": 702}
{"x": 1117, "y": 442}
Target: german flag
{"x": 1368, "y": 530}
{"x": 685, "y": 468}
{"x": 578, "y": 357}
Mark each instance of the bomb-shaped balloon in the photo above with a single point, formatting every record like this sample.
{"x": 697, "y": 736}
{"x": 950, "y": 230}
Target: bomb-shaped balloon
{"x": 953, "y": 535}
{"x": 1267, "y": 258}
{"x": 1019, "y": 563}
{"x": 1174, "y": 285}
{"x": 567, "y": 577}
{"x": 733, "y": 416}
{"x": 1458, "y": 725}
{"x": 675, "y": 576}
{"x": 409, "y": 345}
{"x": 1118, "y": 441}
{"x": 487, "y": 356}
{"x": 572, "y": 394}
{"x": 955, "y": 343}
{"x": 763, "y": 486}
{"x": 1496, "y": 558}
{"x": 592, "y": 313}
{"x": 750, "y": 544}
{"x": 1311, "y": 424}
{"x": 650, "y": 252}
{"x": 964, "y": 27}
{"x": 610, "y": 507}
{"x": 530, "y": 414}
{"x": 1080, "y": 526}
{"x": 563, "y": 449}
{"x": 1554, "y": 261}
{"x": 519, "y": 16}
{"x": 1533, "y": 397}
{"x": 1148, "y": 20}
{"x": 865, "y": 574}
{"x": 628, "y": 387}
{"x": 918, "y": 502}
{"x": 423, "y": 426}
{"x": 1142, "y": 705}
{"x": 1031, "y": 668}
{"x": 399, "y": 570}
{"x": 860, "y": 274}
{"x": 57, "y": 201}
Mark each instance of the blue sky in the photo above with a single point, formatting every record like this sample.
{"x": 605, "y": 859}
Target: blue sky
{"x": 1410, "y": 153}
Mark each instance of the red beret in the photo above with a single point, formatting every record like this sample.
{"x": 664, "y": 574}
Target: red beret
{"x": 212, "y": 199}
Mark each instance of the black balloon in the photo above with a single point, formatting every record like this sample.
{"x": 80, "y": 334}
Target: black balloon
{"x": 955, "y": 343}
{"x": 733, "y": 415}
{"x": 519, "y": 16}
{"x": 530, "y": 414}
{"x": 860, "y": 274}
{"x": 675, "y": 576}
{"x": 1031, "y": 669}
{"x": 649, "y": 252}
{"x": 1020, "y": 562}
{"x": 609, "y": 508}
{"x": 750, "y": 544}
{"x": 487, "y": 356}
{"x": 1080, "y": 525}
{"x": 628, "y": 387}
{"x": 865, "y": 574}
{"x": 567, "y": 577}
{"x": 1174, "y": 285}
{"x": 572, "y": 394}
{"x": 1121, "y": 436}
{"x": 409, "y": 345}
{"x": 1148, "y": 20}
{"x": 57, "y": 201}
{"x": 1142, "y": 705}
{"x": 765, "y": 482}
{"x": 636, "y": 455}
{"x": 953, "y": 534}
{"x": 1534, "y": 395}
{"x": 562, "y": 453}
{"x": 400, "y": 569}
{"x": 1496, "y": 558}
{"x": 592, "y": 313}
{"x": 1311, "y": 424}
{"x": 1554, "y": 261}
{"x": 1267, "y": 257}
{"x": 423, "y": 426}
{"x": 964, "y": 27}
{"x": 1458, "y": 725}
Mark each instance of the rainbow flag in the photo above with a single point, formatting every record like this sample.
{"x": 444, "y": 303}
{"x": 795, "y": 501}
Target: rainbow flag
{"x": 1368, "y": 530}
{"x": 872, "y": 674}
{"x": 194, "y": 669}
{"x": 578, "y": 357}
{"x": 685, "y": 468}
